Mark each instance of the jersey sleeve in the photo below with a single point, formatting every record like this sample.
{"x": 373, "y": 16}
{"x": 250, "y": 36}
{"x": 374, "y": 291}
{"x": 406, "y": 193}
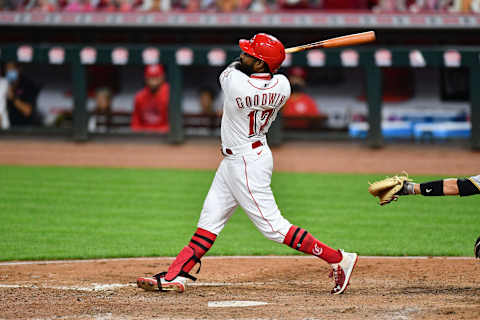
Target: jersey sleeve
{"x": 231, "y": 80}
{"x": 286, "y": 88}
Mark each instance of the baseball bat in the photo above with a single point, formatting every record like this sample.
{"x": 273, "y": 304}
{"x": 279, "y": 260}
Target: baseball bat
{"x": 348, "y": 40}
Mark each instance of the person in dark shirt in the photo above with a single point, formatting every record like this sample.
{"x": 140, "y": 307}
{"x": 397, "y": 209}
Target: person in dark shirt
{"x": 21, "y": 97}
{"x": 101, "y": 116}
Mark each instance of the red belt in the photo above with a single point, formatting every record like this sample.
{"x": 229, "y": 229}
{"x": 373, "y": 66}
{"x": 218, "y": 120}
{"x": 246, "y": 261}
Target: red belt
{"x": 255, "y": 144}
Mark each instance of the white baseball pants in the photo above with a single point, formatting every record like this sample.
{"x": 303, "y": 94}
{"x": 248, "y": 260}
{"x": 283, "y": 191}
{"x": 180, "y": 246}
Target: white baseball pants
{"x": 243, "y": 179}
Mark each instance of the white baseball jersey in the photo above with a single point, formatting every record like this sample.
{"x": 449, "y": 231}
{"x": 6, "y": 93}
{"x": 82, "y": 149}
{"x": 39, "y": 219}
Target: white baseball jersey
{"x": 251, "y": 105}
{"x": 244, "y": 175}
{"x": 475, "y": 180}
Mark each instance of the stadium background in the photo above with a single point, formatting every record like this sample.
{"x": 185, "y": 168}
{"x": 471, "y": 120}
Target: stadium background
{"x": 416, "y": 88}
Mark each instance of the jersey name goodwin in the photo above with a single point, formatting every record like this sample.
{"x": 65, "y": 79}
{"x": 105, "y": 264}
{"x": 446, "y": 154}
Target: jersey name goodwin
{"x": 272, "y": 99}
{"x": 250, "y": 105}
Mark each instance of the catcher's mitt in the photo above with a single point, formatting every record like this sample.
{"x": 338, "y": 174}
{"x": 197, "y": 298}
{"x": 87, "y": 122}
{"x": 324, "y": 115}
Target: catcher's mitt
{"x": 476, "y": 249}
{"x": 387, "y": 189}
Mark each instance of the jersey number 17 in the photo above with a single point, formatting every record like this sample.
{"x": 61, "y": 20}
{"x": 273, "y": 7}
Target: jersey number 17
{"x": 259, "y": 120}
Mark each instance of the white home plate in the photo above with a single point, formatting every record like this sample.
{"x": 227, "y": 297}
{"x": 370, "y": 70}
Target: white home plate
{"x": 223, "y": 304}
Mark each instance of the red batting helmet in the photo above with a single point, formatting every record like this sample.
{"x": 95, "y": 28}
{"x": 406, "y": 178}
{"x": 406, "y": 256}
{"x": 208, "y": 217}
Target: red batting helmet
{"x": 266, "y": 48}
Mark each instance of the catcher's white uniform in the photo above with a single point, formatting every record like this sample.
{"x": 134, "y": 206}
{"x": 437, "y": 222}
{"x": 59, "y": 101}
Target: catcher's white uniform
{"x": 475, "y": 180}
{"x": 243, "y": 177}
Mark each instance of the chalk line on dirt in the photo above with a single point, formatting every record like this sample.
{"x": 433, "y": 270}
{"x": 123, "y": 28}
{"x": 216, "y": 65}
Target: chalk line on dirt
{"x": 113, "y": 286}
{"x": 235, "y": 303}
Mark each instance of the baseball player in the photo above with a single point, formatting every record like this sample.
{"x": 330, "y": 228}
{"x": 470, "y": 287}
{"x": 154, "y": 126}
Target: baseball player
{"x": 254, "y": 95}
{"x": 389, "y": 189}
{"x": 446, "y": 187}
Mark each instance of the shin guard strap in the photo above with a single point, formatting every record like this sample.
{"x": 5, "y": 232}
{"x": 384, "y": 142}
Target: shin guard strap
{"x": 158, "y": 276}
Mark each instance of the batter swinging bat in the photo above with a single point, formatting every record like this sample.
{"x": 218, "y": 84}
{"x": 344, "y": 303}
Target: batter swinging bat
{"x": 349, "y": 40}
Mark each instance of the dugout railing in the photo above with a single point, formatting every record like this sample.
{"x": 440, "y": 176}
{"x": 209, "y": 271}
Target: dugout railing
{"x": 371, "y": 59}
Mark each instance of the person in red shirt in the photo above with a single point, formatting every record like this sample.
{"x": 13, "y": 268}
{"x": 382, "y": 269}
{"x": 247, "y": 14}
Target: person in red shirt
{"x": 300, "y": 104}
{"x": 151, "y": 103}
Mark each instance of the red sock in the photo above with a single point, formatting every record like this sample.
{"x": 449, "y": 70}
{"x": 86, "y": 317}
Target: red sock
{"x": 201, "y": 242}
{"x": 301, "y": 240}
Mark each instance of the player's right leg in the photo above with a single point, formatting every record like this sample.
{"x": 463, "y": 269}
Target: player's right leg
{"x": 218, "y": 207}
{"x": 342, "y": 262}
{"x": 251, "y": 187}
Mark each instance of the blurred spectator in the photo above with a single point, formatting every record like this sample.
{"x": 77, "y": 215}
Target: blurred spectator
{"x": 475, "y": 6}
{"x": 61, "y": 4}
{"x": 5, "y": 5}
{"x": 156, "y": 5}
{"x": 346, "y": 4}
{"x": 416, "y": 6}
{"x": 40, "y": 6}
{"x": 207, "y": 97}
{"x": 227, "y": 5}
{"x": 465, "y": 6}
{"x": 207, "y": 119}
{"x": 215, "y": 5}
{"x": 79, "y": 6}
{"x": 11, "y": 4}
{"x": 293, "y": 4}
{"x": 123, "y": 5}
{"x": 389, "y": 6}
{"x": 300, "y": 104}
{"x": 115, "y": 6}
{"x": 21, "y": 97}
{"x": 429, "y": 5}
{"x": 258, "y": 6}
{"x": 151, "y": 103}
{"x": 101, "y": 117}
{"x": 4, "y": 122}
{"x": 195, "y": 5}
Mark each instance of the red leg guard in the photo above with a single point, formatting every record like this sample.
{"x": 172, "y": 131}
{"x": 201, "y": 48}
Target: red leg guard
{"x": 200, "y": 243}
{"x": 301, "y": 240}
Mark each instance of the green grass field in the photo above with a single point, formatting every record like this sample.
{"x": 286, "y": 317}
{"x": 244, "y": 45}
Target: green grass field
{"x": 62, "y": 213}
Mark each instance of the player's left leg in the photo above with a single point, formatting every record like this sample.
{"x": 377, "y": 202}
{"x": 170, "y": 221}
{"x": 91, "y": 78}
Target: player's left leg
{"x": 253, "y": 192}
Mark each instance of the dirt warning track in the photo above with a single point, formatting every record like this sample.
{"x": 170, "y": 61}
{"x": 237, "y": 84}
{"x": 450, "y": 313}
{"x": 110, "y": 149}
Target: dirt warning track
{"x": 205, "y": 154}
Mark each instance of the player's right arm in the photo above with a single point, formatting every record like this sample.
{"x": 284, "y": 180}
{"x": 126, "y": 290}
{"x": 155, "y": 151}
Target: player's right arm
{"x": 229, "y": 76}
